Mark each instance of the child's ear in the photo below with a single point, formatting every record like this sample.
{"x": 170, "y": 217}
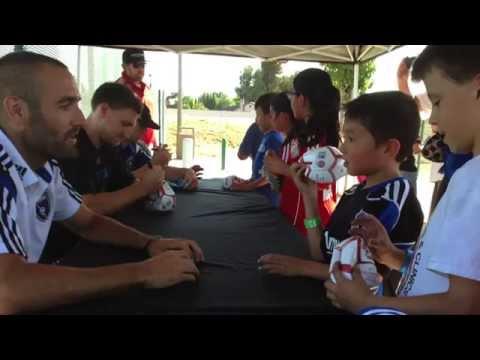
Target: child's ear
{"x": 392, "y": 147}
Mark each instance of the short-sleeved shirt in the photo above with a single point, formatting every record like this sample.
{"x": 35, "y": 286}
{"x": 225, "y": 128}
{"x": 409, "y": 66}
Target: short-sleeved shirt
{"x": 96, "y": 170}
{"x": 393, "y": 202}
{"x": 134, "y": 155}
{"x": 251, "y": 141}
{"x": 291, "y": 202}
{"x": 450, "y": 244}
{"x": 30, "y": 201}
{"x": 272, "y": 141}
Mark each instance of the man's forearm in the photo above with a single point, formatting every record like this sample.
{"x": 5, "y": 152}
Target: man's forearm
{"x": 31, "y": 287}
{"x": 108, "y": 203}
{"x": 105, "y": 230}
{"x": 173, "y": 173}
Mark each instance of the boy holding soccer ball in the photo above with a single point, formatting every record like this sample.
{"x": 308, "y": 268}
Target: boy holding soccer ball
{"x": 378, "y": 134}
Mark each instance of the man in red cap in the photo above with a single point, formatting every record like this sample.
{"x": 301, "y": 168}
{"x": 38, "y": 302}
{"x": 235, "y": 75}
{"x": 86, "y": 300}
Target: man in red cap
{"x": 132, "y": 77}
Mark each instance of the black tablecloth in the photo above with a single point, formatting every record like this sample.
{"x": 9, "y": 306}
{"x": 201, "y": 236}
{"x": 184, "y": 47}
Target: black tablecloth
{"x": 232, "y": 228}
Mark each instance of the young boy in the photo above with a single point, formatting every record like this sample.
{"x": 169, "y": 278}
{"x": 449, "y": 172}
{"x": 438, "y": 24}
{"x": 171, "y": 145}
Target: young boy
{"x": 137, "y": 156}
{"x": 442, "y": 275}
{"x": 271, "y": 141}
{"x": 379, "y": 132}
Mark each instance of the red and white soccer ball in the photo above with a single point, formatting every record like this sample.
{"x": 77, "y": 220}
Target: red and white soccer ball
{"x": 325, "y": 164}
{"x": 164, "y": 200}
{"x": 352, "y": 252}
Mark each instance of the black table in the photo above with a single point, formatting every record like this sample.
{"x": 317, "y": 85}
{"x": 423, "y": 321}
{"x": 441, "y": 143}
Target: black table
{"x": 231, "y": 228}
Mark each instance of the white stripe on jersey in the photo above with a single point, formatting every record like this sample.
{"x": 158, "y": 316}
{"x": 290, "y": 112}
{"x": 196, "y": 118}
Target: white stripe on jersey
{"x": 13, "y": 226}
{"x": 8, "y": 232}
{"x": 71, "y": 191}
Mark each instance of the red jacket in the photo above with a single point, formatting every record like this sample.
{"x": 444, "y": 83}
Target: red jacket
{"x": 138, "y": 89}
{"x": 291, "y": 201}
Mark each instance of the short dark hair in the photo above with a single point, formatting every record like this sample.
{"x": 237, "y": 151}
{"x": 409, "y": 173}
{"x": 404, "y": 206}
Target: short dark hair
{"x": 117, "y": 96}
{"x": 263, "y": 102}
{"x": 281, "y": 103}
{"x": 459, "y": 62}
{"x": 18, "y": 74}
{"x": 387, "y": 115}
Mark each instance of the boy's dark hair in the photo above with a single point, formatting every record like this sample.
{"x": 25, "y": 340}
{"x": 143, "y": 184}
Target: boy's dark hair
{"x": 281, "y": 103}
{"x": 324, "y": 99}
{"x": 459, "y": 62}
{"x": 117, "y": 96}
{"x": 18, "y": 72}
{"x": 387, "y": 115}
{"x": 263, "y": 102}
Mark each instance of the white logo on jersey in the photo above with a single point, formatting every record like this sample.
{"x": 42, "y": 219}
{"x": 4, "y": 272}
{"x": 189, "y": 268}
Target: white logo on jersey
{"x": 330, "y": 242}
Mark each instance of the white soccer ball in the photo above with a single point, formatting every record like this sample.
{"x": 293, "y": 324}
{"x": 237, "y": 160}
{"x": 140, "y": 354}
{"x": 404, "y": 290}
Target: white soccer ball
{"x": 325, "y": 164}
{"x": 352, "y": 252}
{"x": 228, "y": 181}
{"x": 163, "y": 200}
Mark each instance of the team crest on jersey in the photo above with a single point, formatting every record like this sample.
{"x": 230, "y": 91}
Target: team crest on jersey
{"x": 43, "y": 207}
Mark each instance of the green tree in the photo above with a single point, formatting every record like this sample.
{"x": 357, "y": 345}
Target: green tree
{"x": 216, "y": 101}
{"x": 285, "y": 83}
{"x": 269, "y": 73}
{"x": 266, "y": 79}
{"x": 247, "y": 80}
{"x": 342, "y": 78}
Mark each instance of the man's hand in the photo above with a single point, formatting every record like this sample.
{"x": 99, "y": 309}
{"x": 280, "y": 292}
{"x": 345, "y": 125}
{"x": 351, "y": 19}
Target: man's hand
{"x": 282, "y": 265}
{"x": 169, "y": 268}
{"x": 153, "y": 179}
{"x": 189, "y": 247}
{"x": 191, "y": 180}
{"x": 161, "y": 155}
{"x": 198, "y": 171}
{"x": 378, "y": 241}
{"x": 242, "y": 185}
{"x": 352, "y": 295}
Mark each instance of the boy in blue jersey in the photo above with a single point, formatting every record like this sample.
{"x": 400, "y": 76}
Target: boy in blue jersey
{"x": 271, "y": 141}
{"x": 137, "y": 157}
{"x": 378, "y": 134}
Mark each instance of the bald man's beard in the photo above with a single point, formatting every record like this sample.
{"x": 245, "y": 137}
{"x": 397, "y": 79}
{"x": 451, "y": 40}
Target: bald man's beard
{"x": 46, "y": 142}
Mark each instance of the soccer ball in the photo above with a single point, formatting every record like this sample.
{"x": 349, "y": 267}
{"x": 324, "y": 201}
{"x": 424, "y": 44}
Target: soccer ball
{"x": 163, "y": 200}
{"x": 228, "y": 181}
{"x": 351, "y": 252}
{"x": 325, "y": 164}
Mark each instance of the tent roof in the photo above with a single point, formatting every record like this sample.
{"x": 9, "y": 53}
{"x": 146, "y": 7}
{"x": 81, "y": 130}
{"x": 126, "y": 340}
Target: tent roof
{"x": 317, "y": 53}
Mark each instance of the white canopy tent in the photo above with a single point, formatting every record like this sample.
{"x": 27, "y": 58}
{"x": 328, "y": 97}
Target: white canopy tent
{"x": 346, "y": 54}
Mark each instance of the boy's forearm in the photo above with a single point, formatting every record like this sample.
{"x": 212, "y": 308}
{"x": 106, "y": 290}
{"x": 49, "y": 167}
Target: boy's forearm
{"x": 425, "y": 304}
{"x": 316, "y": 270}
